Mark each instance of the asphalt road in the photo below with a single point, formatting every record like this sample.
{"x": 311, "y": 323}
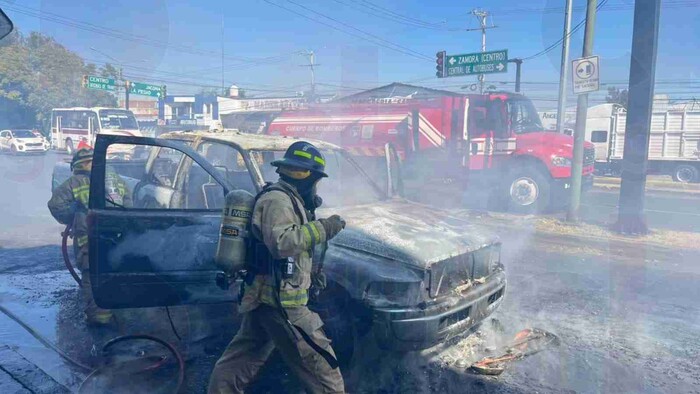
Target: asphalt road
{"x": 626, "y": 313}
{"x": 667, "y": 210}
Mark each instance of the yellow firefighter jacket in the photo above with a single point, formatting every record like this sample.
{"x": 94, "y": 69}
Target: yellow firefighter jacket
{"x": 279, "y": 226}
{"x": 69, "y": 201}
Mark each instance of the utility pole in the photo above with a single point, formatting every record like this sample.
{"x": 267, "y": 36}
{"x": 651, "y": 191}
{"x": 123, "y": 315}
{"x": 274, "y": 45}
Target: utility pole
{"x": 125, "y": 83}
{"x": 481, "y": 16}
{"x": 563, "y": 76}
{"x": 127, "y": 87}
{"x": 518, "y": 64}
{"x": 311, "y": 65}
{"x": 223, "y": 87}
{"x": 645, "y": 37}
{"x": 581, "y": 113}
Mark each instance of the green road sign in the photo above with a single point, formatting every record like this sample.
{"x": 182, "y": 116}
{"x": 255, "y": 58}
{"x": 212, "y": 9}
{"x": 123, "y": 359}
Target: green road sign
{"x": 99, "y": 83}
{"x": 477, "y": 63}
{"x": 145, "y": 89}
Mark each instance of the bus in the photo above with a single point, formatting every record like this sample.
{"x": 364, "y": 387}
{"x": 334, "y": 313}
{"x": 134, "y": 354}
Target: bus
{"x": 70, "y": 126}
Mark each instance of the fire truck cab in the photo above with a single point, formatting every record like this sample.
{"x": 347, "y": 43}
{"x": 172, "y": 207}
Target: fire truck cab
{"x": 495, "y": 140}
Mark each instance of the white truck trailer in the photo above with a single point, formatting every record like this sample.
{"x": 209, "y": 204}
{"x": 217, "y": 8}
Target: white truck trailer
{"x": 674, "y": 144}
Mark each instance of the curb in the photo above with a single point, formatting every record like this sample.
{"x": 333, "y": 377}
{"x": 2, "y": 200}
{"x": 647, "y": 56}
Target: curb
{"x": 649, "y": 189}
{"x": 651, "y": 184}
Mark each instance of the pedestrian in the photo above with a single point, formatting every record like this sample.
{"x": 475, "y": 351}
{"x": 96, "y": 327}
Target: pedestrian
{"x": 68, "y": 204}
{"x": 276, "y": 292}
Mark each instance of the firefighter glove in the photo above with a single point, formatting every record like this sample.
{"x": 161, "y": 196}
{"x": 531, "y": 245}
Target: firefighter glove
{"x": 332, "y": 225}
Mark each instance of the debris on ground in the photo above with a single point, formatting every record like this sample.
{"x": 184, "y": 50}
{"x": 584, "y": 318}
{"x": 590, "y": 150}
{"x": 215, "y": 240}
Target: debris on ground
{"x": 526, "y": 343}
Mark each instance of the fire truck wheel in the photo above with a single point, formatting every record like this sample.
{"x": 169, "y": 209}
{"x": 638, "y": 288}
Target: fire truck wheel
{"x": 69, "y": 146}
{"x": 528, "y": 191}
{"x": 685, "y": 173}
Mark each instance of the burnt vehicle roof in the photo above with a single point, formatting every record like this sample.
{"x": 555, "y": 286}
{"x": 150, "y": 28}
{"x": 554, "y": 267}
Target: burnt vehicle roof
{"x": 247, "y": 141}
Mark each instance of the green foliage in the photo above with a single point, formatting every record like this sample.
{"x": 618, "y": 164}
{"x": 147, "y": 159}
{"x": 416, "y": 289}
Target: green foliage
{"x": 39, "y": 74}
{"x": 617, "y": 96}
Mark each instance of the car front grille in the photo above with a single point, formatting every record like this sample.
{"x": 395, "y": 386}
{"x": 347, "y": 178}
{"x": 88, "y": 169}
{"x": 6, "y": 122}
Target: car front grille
{"x": 589, "y": 157}
{"x": 35, "y": 144}
{"x": 447, "y": 275}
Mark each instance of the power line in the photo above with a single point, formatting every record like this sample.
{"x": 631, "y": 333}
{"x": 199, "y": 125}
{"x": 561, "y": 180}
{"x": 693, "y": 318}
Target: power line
{"x": 559, "y": 41}
{"x": 612, "y": 7}
{"x": 361, "y": 31}
{"x": 376, "y": 11}
{"x": 387, "y": 11}
{"x": 395, "y": 47}
{"x": 86, "y": 26}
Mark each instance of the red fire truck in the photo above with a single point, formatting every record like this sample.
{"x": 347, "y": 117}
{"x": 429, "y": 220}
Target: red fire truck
{"x": 494, "y": 139}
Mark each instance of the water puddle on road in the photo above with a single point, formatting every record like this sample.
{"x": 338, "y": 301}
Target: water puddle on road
{"x": 36, "y": 300}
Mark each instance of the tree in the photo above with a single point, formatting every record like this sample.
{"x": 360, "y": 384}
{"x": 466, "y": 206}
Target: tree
{"x": 38, "y": 74}
{"x": 617, "y": 96}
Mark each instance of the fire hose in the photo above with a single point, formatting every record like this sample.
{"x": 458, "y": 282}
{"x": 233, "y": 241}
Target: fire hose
{"x": 153, "y": 362}
{"x": 66, "y": 258}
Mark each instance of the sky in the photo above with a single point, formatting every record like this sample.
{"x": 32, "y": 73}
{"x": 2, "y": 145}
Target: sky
{"x": 357, "y": 43}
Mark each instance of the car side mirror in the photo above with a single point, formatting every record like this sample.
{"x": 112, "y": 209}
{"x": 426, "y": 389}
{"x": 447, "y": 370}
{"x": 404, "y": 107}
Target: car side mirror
{"x": 394, "y": 179}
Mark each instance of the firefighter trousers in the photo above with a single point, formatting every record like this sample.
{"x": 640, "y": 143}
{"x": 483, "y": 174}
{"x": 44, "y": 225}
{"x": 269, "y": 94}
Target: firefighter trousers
{"x": 93, "y": 313}
{"x": 263, "y": 330}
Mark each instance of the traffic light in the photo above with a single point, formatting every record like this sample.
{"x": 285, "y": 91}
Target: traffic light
{"x": 440, "y": 64}
{"x": 127, "y": 85}
{"x": 163, "y": 92}
{"x": 84, "y": 82}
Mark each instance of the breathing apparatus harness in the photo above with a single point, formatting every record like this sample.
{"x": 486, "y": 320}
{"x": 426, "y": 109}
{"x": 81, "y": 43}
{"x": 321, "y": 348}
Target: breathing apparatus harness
{"x": 262, "y": 262}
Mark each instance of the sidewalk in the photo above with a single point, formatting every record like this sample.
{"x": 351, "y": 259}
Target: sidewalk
{"x": 555, "y": 229}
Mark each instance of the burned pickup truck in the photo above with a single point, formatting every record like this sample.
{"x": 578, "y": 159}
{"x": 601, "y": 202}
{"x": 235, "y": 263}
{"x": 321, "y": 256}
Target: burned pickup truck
{"x": 408, "y": 274}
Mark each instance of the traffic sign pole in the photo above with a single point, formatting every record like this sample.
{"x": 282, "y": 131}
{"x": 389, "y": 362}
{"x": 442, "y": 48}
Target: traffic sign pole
{"x": 581, "y": 113}
{"x": 126, "y": 95}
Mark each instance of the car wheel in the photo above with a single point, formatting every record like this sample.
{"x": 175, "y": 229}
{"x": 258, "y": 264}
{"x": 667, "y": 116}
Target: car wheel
{"x": 69, "y": 146}
{"x": 528, "y": 191}
{"x": 685, "y": 173}
{"x": 337, "y": 310}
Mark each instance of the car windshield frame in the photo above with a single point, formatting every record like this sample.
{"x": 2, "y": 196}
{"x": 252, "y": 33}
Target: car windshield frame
{"x": 380, "y": 194}
{"x": 25, "y": 134}
{"x": 535, "y": 123}
{"x": 104, "y": 115}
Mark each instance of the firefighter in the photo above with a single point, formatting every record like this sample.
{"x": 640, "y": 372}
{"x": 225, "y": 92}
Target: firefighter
{"x": 68, "y": 204}
{"x": 273, "y": 304}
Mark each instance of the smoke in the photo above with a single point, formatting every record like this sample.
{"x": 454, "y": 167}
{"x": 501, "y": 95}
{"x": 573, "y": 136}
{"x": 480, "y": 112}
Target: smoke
{"x": 165, "y": 251}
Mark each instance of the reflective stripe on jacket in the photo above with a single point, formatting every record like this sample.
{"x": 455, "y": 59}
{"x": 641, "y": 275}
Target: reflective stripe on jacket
{"x": 75, "y": 191}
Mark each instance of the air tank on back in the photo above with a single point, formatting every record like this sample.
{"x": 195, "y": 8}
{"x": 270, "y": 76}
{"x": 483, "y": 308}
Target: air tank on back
{"x": 235, "y": 231}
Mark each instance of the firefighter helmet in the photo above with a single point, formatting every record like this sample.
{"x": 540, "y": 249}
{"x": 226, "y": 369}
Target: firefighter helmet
{"x": 304, "y": 156}
{"x": 81, "y": 156}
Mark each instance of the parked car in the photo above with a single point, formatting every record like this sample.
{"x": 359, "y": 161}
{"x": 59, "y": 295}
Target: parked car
{"x": 23, "y": 141}
{"x": 406, "y": 273}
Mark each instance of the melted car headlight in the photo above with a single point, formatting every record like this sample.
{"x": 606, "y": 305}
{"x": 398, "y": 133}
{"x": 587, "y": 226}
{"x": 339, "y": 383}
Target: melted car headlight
{"x": 561, "y": 161}
{"x": 393, "y": 293}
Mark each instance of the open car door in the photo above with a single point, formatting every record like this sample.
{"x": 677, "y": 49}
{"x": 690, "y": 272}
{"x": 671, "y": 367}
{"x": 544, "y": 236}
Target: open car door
{"x": 152, "y": 230}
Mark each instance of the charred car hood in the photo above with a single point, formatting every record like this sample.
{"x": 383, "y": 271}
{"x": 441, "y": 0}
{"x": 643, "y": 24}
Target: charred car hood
{"x": 407, "y": 232}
